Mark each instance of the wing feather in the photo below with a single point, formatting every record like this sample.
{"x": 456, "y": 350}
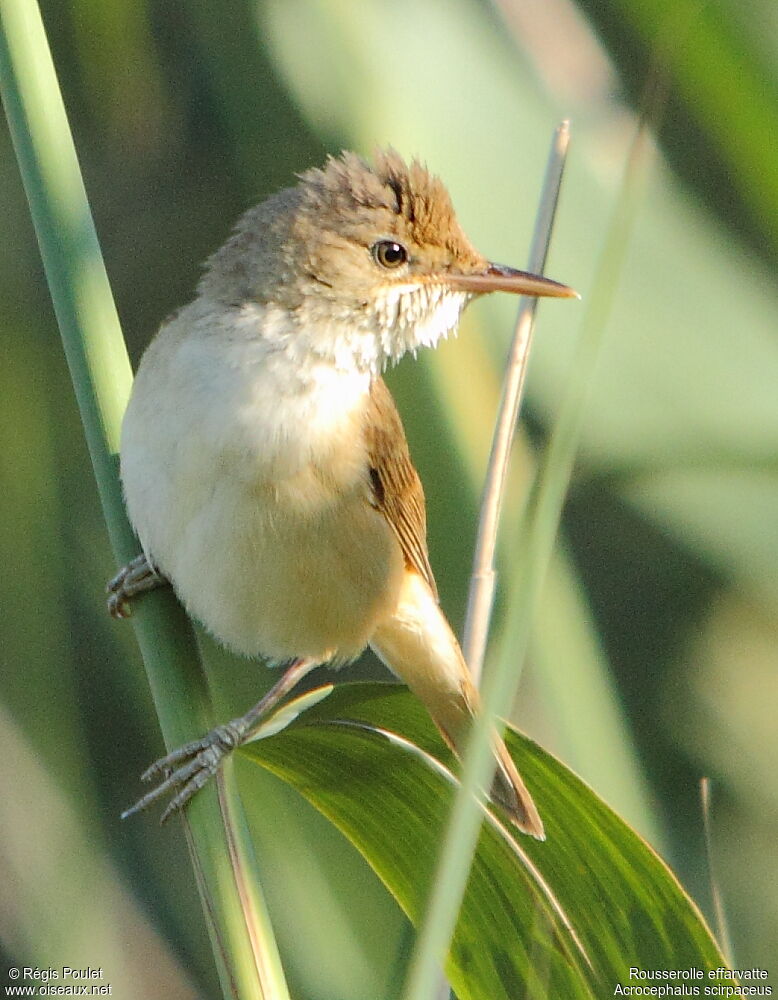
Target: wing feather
{"x": 395, "y": 487}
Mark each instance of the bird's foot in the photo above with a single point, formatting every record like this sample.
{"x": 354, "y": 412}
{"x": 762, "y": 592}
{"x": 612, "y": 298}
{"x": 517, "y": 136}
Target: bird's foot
{"x": 187, "y": 769}
{"x": 133, "y": 579}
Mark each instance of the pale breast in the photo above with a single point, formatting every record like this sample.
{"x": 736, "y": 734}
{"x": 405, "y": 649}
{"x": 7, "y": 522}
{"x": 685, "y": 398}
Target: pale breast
{"x": 249, "y": 490}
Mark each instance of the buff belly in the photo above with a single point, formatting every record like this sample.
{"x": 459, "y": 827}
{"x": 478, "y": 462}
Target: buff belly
{"x": 270, "y": 581}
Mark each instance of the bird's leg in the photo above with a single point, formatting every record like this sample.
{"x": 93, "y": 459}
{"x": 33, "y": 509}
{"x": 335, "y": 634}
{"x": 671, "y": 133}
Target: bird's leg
{"x": 133, "y": 579}
{"x": 187, "y": 769}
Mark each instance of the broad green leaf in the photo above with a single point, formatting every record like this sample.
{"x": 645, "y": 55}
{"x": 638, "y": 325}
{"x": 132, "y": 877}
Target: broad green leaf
{"x": 567, "y": 917}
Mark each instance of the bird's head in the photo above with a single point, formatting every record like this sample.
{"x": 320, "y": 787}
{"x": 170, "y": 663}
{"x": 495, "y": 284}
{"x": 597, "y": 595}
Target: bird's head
{"x": 368, "y": 259}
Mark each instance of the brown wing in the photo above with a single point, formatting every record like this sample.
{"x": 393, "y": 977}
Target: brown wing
{"x": 396, "y": 489}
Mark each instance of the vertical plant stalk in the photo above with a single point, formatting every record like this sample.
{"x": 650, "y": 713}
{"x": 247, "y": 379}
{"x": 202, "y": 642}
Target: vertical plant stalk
{"x": 541, "y": 521}
{"x": 465, "y": 822}
{"x": 245, "y": 948}
{"x": 483, "y": 578}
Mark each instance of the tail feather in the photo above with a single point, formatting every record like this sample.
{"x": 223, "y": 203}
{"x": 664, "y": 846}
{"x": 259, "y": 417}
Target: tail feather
{"x": 509, "y": 791}
{"x": 417, "y": 645}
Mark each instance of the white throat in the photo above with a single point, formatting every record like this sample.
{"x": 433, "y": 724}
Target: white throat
{"x": 413, "y": 316}
{"x": 401, "y": 320}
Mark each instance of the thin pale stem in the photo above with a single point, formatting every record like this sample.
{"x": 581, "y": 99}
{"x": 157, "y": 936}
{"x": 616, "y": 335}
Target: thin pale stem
{"x": 238, "y": 923}
{"x": 537, "y": 538}
{"x": 541, "y": 522}
{"x": 466, "y": 817}
{"x": 483, "y": 578}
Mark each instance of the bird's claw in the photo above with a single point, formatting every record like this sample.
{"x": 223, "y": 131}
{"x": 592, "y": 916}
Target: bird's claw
{"x": 186, "y": 770}
{"x": 134, "y": 578}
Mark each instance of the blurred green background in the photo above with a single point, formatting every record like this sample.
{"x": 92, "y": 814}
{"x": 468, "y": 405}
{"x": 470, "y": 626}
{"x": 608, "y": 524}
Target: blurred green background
{"x": 654, "y": 659}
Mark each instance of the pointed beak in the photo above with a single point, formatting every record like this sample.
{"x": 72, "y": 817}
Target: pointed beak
{"x": 498, "y": 278}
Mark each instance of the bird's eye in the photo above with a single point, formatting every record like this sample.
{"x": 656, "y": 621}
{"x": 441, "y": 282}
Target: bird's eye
{"x": 389, "y": 254}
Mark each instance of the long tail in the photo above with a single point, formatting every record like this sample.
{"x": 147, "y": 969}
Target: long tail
{"x": 417, "y": 645}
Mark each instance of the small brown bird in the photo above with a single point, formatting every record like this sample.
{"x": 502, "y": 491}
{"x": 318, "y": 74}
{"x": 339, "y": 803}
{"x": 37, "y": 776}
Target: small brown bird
{"x": 265, "y": 466}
